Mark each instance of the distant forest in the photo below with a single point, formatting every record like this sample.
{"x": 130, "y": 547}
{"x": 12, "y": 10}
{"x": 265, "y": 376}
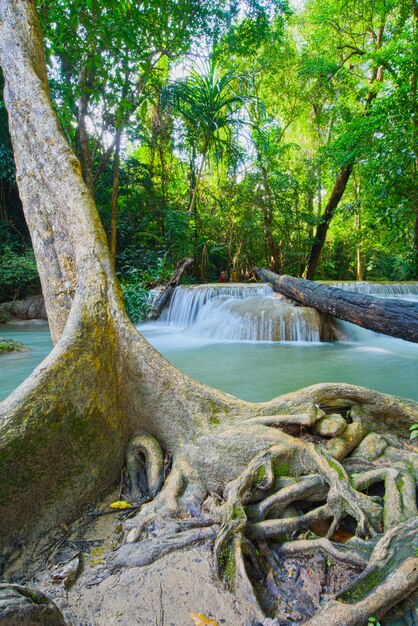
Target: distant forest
{"x": 261, "y": 133}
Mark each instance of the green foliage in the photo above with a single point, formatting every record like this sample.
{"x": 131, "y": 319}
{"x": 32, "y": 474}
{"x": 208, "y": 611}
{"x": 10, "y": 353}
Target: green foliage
{"x": 413, "y": 431}
{"x": 136, "y": 284}
{"x": 232, "y": 162}
{"x": 18, "y": 274}
{"x": 10, "y": 345}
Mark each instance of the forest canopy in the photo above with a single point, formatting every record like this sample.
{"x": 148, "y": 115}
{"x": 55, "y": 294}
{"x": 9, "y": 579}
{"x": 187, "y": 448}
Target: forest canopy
{"x": 280, "y": 134}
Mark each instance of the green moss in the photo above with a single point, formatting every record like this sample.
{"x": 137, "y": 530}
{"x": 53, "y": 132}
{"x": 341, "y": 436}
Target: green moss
{"x": 227, "y": 563}
{"x": 9, "y": 345}
{"x": 35, "y": 596}
{"x": 399, "y": 483}
{"x": 237, "y": 512}
{"x": 337, "y": 468}
{"x": 281, "y": 470}
{"x": 260, "y": 474}
{"x": 215, "y": 420}
{"x": 213, "y": 407}
{"x": 364, "y": 585}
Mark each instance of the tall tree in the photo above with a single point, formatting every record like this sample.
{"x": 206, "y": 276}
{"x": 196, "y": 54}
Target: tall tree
{"x": 103, "y": 382}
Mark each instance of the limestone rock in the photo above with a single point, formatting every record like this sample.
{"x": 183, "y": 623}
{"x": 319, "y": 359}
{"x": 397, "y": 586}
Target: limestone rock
{"x": 28, "y": 309}
{"x": 330, "y": 425}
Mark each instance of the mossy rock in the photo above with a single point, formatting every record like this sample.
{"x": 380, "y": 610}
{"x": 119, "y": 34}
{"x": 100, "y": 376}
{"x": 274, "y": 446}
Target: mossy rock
{"x": 10, "y": 345}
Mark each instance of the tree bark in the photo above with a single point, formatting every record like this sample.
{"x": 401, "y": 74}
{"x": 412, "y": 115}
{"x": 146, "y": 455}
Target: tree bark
{"x": 64, "y": 431}
{"x": 164, "y": 298}
{"x": 397, "y": 318}
{"x": 322, "y": 229}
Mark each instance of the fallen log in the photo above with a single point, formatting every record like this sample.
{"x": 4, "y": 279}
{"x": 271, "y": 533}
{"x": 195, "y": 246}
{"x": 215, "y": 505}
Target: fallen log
{"x": 397, "y": 318}
{"x": 165, "y": 296}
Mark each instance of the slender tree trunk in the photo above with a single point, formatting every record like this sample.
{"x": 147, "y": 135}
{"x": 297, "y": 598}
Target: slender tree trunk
{"x": 115, "y": 196}
{"x": 192, "y": 207}
{"x": 359, "y": 257}
{"x": 343, "y": 176}
{"x": 357, "y": 225}
{"x": 82, "y": 137}
{"x": 322, "y": 229}
{"x": 275, "y": 260}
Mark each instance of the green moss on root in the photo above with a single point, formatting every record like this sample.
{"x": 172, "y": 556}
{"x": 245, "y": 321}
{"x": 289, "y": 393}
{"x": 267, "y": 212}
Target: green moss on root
{"x": 281, "y": 470}
{"x": 227, "y": 563}
{"x": 260, "y": 474}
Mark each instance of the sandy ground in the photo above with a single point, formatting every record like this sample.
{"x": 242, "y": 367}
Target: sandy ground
{"x": 161, "y": 594}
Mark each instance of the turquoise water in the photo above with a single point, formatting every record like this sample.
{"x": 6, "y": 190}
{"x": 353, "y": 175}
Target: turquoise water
{"x": 254, "y": 371}
{"x": 16, "y": 366}
{"x": 259, "y": 371}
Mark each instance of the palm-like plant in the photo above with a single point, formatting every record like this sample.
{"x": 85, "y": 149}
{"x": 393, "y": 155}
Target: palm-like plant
{"x": 209, "y": 105}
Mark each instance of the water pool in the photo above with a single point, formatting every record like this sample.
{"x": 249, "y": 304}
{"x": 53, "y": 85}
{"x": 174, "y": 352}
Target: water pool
{"x": 251, "y": 370}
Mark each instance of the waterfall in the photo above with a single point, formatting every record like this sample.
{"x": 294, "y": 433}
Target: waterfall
{"x": 384, "y": 290}
{"x": 241, "y": 313}
{"x": 403, "y": 291}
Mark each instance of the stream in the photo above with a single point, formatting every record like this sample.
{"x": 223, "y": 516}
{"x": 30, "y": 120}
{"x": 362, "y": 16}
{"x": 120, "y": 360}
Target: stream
{"x": 244, "y": 340}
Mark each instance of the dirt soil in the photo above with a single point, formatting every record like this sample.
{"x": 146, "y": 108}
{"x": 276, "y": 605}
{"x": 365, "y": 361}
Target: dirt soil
{"x": 161, "y": 594}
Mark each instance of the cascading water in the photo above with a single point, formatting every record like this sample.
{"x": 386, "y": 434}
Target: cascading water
{"x": 187, "y": 302}
{"x": 241, "y": 313}
{"x": 403, "y": 291}
{"x": 190, "y": 334}
{"x": 384, "y": 290}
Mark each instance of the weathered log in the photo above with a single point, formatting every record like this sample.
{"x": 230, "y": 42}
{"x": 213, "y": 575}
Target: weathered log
{"x": 164, "y": 298}
{"x": 397, "y": 318}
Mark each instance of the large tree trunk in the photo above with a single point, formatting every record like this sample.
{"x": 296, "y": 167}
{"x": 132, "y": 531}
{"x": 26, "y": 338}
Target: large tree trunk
{"x": 64, "y": 431}
{"x": 397, "y": 318}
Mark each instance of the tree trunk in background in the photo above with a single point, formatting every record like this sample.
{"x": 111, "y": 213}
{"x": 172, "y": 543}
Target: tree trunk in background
{"x": 357, "y": 225}
{"x": 344, "y": 175}
{"x": 82, "y": 137}
{"x": 359, "y": 257}
{"x": 322, "y": 229}
{"x": 275, "y": 260}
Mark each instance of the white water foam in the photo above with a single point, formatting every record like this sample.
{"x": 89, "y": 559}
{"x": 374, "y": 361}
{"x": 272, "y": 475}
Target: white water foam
{"x": 240, "y": 313}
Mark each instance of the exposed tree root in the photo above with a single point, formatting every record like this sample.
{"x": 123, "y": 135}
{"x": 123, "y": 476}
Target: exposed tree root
{"x": 147, "y": 446}
{"x": 287, "y": 494}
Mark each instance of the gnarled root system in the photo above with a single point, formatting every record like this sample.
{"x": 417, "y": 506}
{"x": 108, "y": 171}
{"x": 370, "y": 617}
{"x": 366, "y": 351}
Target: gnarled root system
{"x": 306, "y": 529}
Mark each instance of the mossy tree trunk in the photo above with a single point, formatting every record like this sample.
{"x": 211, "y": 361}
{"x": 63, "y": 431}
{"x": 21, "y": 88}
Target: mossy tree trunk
{"x": 64, "y": 431}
